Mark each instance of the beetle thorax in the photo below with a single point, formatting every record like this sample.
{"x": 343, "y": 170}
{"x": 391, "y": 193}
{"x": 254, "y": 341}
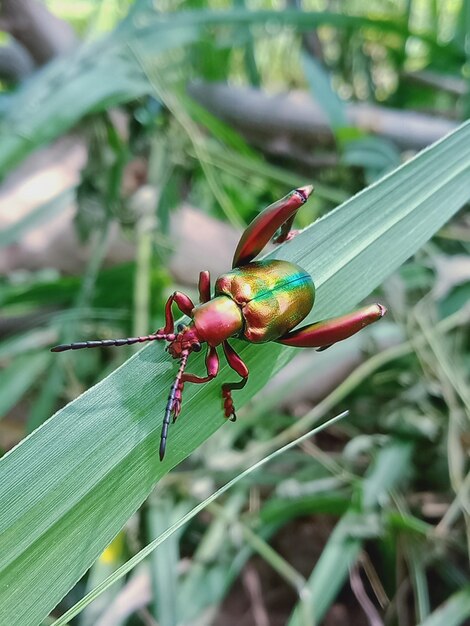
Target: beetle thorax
{"x": 217, "y": 320}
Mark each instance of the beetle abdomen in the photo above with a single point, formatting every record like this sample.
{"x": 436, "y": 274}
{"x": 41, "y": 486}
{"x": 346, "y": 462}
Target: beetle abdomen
{"x": 274, "y": 297}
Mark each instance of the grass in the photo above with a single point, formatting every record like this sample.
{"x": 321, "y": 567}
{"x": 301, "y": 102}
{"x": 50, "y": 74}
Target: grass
{"x": 389, "y": 483}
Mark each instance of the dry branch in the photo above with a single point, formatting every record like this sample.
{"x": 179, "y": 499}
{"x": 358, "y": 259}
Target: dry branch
{"x": 40, "y": 32}
{"x": 15, "y": 62}
{"x": 452, "y": 84}
{"x": 297, "y": 117}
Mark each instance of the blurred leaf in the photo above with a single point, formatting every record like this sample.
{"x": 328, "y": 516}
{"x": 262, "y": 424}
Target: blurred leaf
{"x": 244, "y": 166}
{"x": 19, "y": 376}
{"x": 161, "y": 514}
{"x": 105, "y": 73}
{"x": 452, "y": 271}
{"x": 69, "y": 487}
{"x": 345, "y": 542}
{"x": 35, "y": 218}
{"x": 113, "y": 290}
{"x": 209, "y": 577}
{"x": 388, "y": 470}
{"x": 375, "y": 154}
{"x": 140, "y": 556}
{"x": 454, "y": 612}
{"x": 320, "y": 86}
{"x": 410, "y": 423}
{"x": 27, "y": 341}
{"x": 417, "y": 568}
{"x": 281, "y": 510}
{"x": 109, "y": 560}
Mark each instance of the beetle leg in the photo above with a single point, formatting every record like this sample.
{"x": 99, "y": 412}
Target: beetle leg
{"x": 286, "y": 233}
{"x": 327, "y": 332}
{"x": 235, "y": 362}
{"x": 204, "y": 287}
{"x": 170, "y": 404}
{"x": 265, "y": 225}
{"x": 174, "y": 399}
{"x": 212, "y": 366}
{"x": 185, "y": 305}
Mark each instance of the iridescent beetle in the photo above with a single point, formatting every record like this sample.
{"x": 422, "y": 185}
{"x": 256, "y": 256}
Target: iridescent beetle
{"x": 257, "y": 301}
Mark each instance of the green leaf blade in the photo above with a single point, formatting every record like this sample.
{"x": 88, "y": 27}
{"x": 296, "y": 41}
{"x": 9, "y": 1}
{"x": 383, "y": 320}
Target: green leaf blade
{"x": 67, "y": 489}
{"x": 454, "y": 612}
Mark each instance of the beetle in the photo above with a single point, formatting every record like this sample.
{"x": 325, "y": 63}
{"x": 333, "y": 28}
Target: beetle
{"x": 257, "y": 301}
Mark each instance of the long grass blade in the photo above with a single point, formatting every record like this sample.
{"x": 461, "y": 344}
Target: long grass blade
{"x": 70, "y": 486}
{"x": 140, "y": 556}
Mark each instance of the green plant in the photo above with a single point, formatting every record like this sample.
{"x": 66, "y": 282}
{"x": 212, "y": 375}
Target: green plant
{"x": 68, "y": 488}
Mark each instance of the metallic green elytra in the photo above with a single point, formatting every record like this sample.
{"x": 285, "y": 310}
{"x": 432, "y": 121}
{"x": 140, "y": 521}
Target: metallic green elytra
{"x": 274, "y": 296}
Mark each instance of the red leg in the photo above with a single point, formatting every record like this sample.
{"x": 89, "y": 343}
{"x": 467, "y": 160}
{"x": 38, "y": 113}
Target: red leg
{"x": 264, "y": 226}
{"x": 286, "y": 233}
{"x": 184, "y": 304}
{"x": 212, "y": 366}
{"x": 204, "y": 287}
{"x": 327, "y": 332}
{"x": 239, "y": 366}
{"x": 174, "y": 399}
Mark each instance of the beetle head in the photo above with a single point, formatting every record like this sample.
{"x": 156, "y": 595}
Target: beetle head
{"x": 185, "y": 342}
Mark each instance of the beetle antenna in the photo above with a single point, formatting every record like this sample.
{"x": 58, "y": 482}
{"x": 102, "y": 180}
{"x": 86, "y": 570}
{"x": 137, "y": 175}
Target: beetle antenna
{"x": 97, "y": 343}
{"x": 171, "y": 402}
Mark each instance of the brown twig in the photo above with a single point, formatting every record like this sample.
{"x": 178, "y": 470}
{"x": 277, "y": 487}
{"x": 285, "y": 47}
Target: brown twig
{"x": 357, "y": 587}
{"x": 252, "y": 586}
{"x": 15, "y": 62}
{"x": 296, "y": 117}
{"x": 451, "y": 84}
{"x": 39, "y": 31}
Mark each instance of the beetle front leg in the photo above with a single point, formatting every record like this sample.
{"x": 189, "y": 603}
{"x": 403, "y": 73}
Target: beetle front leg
{"x": 327, "y": 332}
{"x": 212, "y": 366}
{"x": 173, "y": 406}
{"x": 185, "y": 305}
{"x": 236, "y": 363}
{"x": 278, "y": 215}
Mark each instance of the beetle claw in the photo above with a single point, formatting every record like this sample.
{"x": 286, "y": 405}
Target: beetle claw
{"x": 229, "y": 409}
{"x": 323, "y": 348}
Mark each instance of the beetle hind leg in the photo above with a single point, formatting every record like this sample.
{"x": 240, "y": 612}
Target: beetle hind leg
{"x": 279, "y": 215}
{"x": 327, "y": 332}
